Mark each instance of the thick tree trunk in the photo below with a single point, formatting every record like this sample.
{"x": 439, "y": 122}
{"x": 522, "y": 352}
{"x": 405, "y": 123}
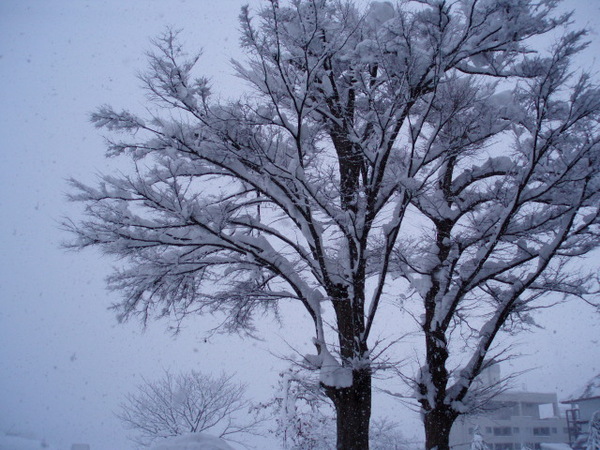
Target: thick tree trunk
{"x": 352, "y": 404}
{"x": 438, "y": 415}
{"x": 437, "y": 429}
{"x": 353, "y": 410}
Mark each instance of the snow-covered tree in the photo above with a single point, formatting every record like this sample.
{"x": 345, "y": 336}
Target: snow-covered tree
{"x": 507, "y": 189}
{"x": 478, "y": 443}
{"x": 305, "y": 420}
{"x": 593, "y": 442}
{"x": 423, "y": 141}
{"x": 191, "y": 402}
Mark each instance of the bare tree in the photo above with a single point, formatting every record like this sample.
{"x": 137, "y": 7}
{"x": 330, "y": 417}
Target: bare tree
{"x": 191, "y": 402}
{"x": 374, "y": 144}
{"x": 386, "y": 434}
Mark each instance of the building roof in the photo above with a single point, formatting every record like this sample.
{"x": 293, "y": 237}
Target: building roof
{"x": 590, "y": 391}
{"x": 538, "y": 398}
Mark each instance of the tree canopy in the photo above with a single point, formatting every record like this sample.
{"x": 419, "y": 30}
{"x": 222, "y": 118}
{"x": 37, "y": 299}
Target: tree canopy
{"x": 424, "y": 146}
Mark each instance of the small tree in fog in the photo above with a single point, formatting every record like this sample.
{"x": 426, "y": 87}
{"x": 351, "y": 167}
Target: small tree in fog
{"x": 191, "y": 402}
{"x": 386, "y": 434}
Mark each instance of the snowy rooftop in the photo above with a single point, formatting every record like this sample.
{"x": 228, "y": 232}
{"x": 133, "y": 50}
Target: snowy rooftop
{"x": 589, "y": 391}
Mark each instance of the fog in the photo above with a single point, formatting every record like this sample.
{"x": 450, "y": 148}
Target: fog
{"x": 65, "y": 361}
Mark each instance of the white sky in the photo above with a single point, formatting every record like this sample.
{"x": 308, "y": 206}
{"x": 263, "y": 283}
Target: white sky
{"x": 64, "y": 361}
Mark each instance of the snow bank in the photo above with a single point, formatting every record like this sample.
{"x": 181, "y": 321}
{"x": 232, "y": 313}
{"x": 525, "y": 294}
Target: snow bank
{"x": 193, "y": 441}
{"x": 548, "y": 446}
{"x": 17, "y": 442}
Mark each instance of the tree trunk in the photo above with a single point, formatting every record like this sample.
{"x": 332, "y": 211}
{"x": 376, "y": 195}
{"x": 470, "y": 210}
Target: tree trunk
{"x": 353, "y": 411}
{"x": 437, "y": 428}
{"x": 352, "y": 404}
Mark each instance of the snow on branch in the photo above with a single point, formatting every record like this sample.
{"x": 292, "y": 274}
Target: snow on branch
{"x": 428, "y": 143}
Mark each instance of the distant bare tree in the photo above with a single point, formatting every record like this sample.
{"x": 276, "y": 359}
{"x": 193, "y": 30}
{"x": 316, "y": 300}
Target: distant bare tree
{"x": 385, "y": 434}
{"x": 189, "y": 402}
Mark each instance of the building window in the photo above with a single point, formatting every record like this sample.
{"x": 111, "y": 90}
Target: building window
{"x": 471, "y": 430}
{"x": 516, "y": 430}
{"x": 502, "y": 431}
{"x": 554, "y": 430}
{"x": 541, "y": 431}
{"x": 488, "y": 430}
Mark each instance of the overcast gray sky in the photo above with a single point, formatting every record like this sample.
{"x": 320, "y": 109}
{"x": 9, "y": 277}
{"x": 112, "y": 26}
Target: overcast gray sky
{"x": 65, "y": 363}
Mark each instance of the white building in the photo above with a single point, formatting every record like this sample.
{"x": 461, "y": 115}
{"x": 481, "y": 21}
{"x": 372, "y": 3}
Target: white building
{"x": 515, "y": 420}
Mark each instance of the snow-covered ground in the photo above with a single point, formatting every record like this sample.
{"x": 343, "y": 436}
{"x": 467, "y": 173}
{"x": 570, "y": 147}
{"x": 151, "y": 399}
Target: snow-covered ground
{"x": 17, "y": 442}
{"x": 196, "y": 441}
